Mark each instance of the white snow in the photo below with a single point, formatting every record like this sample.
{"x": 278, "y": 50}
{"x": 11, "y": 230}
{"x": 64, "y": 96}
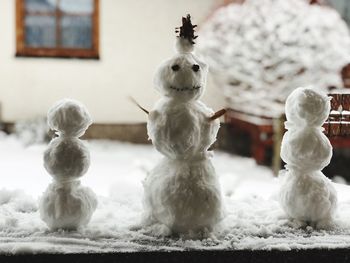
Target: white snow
{"x": 263, "y": 49}
{"x": 69, "y": 117}
{"x": 254, "y": 219}
{"x": 182, "y": 191}
{"x": 66, "y": 204}
{"x": 307, "y": 194}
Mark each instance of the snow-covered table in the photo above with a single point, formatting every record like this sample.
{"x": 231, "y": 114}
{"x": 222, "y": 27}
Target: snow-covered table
{"x": 255, "y": 225}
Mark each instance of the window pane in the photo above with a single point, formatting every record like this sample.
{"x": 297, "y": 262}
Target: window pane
{"x": 40, "y": 31}
{"x": 40, "y": 5}
{"x": 76, "y": 6}
{"x": 76, "y": 32}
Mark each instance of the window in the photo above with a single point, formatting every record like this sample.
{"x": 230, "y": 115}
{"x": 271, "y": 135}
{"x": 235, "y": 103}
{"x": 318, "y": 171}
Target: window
{"x": 57, "y": 28}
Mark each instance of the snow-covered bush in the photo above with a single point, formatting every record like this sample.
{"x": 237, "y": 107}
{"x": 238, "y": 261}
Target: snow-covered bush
{"x": 263, "y": 49}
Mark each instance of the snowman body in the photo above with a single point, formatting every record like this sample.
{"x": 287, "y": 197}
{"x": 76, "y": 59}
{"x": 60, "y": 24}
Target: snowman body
{"x": 66, "y": 204}
{"x": 306, "y": 193}
{"x": 308, "y": 197}
{"x": 181, "y": 129}
{"x": 182, "y": 191}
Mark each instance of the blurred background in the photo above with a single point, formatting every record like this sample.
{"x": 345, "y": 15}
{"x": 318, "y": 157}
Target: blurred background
{"x": 99, "y": 52}
{"x": 102, "y": 51}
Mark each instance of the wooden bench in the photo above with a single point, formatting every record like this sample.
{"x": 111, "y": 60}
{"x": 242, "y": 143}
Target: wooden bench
{"x": 266, "y": 133}
{"x": 259, "y": 129}
{"x": 337, "y": 127}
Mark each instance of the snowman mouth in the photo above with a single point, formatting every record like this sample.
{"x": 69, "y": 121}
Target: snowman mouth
{"x": 186, "y": 88}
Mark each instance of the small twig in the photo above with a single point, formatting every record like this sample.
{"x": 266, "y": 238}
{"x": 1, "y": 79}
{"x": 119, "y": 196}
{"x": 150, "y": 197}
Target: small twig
{"x": 217, "y": 115}
{"x": 138, "y": 105}
{"x": 186, "y": 31}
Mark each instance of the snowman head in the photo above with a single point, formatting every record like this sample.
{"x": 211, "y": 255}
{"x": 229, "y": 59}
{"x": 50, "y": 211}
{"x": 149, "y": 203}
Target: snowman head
{"x": 307, "y": 106}
{"x": 69, "y": 118}
{"x": 183, "y": 77}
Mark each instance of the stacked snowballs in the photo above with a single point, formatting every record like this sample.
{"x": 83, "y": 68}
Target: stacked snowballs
{"x": 183, "y": 192}
{"x": 307, "y": 194}
{"x": 66, "y": 204}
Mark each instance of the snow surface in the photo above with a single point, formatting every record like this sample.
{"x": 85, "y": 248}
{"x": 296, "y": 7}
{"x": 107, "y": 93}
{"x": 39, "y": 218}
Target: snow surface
{"x": 254, "y": 219}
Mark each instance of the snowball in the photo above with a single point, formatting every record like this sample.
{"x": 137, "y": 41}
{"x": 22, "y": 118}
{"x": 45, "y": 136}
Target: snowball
{"x": 308, "y": 197}
{"x": 69, "y": 118}
{"x": 184, "y": 196}
{"x": 307, "y": 106}
{"x": 67, "y": 206}
{"x": 66, "y": 159}
{"x": 182, "y": 131}
{"x": 306, "y": 150}
{"x": 182, "y": 77}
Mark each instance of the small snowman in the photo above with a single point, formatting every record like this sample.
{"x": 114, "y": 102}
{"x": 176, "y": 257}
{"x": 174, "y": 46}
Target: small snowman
{"x": 66, "y": 204}
{"x": 307, "y": 195}
{"x": 182, "y": 192}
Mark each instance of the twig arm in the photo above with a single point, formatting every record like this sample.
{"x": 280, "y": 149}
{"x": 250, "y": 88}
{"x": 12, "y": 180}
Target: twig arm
{"x": 217, "y": 115}
{"x": 138, "y": 105}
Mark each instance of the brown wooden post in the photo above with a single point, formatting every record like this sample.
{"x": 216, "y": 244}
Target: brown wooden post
{"x": 278, "y": 128}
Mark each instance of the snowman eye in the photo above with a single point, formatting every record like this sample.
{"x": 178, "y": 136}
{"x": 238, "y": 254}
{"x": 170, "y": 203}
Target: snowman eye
{"x": 175, "y": 67}
{"x": 195, "y": 67}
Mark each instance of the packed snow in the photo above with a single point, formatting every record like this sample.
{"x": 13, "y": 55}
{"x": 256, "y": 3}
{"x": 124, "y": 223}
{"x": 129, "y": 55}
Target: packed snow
{"x": 182, "y": 192}
{"x": 307, "y": 194}
{"x": 254, "y": 219}
{"x": 66, "y": 204}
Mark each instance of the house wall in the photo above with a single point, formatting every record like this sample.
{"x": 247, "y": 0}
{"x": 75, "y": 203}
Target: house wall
{"x": 135, "y": 36}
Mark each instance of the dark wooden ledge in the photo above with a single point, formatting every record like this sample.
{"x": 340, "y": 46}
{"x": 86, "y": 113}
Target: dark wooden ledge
{"x": 232, "y": 256}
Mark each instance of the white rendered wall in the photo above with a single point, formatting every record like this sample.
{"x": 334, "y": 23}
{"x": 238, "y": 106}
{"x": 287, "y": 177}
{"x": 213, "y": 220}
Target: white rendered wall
{"x": 135, "y": 36}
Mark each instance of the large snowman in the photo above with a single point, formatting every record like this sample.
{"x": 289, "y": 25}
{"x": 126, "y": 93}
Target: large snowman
{"x": 307, "y": 194}
{"x": 182, "y": 192}
{"x": 65, "y": 203}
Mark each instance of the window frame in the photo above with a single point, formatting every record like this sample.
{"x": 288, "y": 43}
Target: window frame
{"x": 24, "y": 51}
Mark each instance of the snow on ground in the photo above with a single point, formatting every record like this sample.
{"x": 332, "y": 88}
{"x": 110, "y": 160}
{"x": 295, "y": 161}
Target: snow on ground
{"x": 254, "y": 219}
